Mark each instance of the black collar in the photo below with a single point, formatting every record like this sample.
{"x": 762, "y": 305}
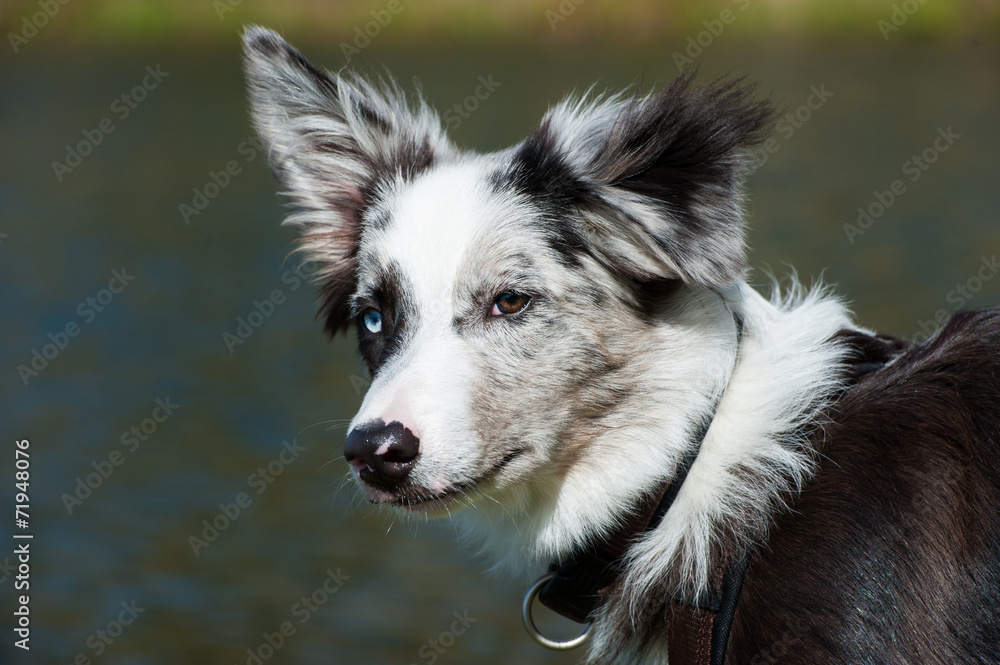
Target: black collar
{"x": 578, "y": 583}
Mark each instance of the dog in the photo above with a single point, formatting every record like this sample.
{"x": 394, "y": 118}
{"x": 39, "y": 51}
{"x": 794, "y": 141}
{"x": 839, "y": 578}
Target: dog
{"x": 566, "y": 359}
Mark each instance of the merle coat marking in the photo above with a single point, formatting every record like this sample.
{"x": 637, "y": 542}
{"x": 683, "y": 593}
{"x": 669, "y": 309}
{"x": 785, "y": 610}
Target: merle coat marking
{"x": 548, "y": 325}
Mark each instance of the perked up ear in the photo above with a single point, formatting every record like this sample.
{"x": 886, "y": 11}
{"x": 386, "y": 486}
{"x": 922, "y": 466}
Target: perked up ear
{"x": 655, "y": 181}
{"x": 331, "y": 140}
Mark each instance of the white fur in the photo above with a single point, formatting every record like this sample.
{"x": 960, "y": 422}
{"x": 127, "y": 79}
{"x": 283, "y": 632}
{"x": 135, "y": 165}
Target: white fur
{"x": 435, "y": 222}
{"x": 531, "y": 524}
{"x": 785, "y": 372}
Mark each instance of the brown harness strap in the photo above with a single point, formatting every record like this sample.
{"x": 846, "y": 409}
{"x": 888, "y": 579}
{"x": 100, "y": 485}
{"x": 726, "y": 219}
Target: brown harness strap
{"x": 698, "y": 632}
{"x": 689, "y": 635}
{"x": 578, "y": 585}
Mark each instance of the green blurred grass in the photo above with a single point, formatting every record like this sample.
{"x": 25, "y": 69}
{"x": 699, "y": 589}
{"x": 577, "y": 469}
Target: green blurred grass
{"x": 477, "y": 21}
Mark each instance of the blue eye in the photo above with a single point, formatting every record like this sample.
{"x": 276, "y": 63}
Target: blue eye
{"x": 372, "y": 320}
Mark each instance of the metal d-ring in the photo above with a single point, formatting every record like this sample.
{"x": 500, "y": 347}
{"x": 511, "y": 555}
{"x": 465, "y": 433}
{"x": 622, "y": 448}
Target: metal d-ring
{"x": 529, "y": 621}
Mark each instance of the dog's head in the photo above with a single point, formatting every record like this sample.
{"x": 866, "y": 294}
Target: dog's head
{"x": 503, "y": 302}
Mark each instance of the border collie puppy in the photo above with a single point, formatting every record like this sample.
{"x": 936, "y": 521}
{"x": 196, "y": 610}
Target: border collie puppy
{"x": 567, "y": 361}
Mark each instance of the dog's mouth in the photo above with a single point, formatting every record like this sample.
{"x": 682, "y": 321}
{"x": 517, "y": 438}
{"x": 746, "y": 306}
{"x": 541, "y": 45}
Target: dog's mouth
{"x": 415, "y": 498}
{"x": 430, "y": 502}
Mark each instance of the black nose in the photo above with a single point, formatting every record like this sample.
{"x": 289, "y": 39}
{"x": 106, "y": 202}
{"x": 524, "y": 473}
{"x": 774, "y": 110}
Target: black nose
{"x": 388, "y": 452}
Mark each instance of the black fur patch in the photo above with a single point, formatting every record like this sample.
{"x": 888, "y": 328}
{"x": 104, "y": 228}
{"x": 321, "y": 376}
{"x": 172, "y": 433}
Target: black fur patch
{"x": 539, "y": 172}
{"x": 334, "y": 308}
{"x": 891, "y": 554}
{"x": 398, "y": 316}
{"x": 681, "y": 149}
{"x": 684, "y": 147}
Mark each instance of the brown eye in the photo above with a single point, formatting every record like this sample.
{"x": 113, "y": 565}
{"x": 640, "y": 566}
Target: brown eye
{"x": 509, "y": 303}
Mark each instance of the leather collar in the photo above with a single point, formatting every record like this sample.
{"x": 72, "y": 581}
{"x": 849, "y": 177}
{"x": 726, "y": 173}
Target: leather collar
{"x": 698, "y": 631}
{"x": 578, "y": 584}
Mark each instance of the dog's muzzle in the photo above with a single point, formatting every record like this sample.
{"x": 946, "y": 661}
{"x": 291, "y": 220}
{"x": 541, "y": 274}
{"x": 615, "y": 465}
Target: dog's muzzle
{"x": 382, "y": 455}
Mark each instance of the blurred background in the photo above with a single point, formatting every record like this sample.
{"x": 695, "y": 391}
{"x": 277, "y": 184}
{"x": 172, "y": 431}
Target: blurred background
{"x": 158, "y": 350}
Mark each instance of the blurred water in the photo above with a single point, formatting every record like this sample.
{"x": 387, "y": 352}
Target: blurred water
{"x": 162, "y": 337}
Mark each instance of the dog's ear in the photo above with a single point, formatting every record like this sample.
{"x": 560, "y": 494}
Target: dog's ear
{"x": 331, "y": 140}
{"x": 654, "y": 182}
